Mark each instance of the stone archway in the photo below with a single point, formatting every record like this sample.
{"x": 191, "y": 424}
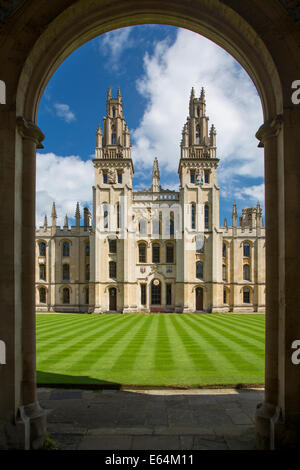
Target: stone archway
{"x": 34, "y": 41}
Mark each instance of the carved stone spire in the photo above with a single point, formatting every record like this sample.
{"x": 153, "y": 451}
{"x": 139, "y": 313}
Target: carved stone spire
{"x": 45, "y": 222}
{"x": 155, "y": 176}
{"x": 77, "y": 215}
{"x": 66, "y": 224}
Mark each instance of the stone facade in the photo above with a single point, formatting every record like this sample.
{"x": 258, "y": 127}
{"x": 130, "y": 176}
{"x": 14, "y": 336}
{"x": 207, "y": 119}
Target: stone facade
{"x": 156, "y": 249}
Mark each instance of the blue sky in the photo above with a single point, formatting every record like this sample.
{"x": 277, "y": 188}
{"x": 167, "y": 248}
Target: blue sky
{"x": 155, "y": 67}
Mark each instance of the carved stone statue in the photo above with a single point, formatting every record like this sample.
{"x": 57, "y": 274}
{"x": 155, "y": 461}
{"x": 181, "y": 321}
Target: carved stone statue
{"x": 199, "y": 176}
{"x": 111, "y": 176}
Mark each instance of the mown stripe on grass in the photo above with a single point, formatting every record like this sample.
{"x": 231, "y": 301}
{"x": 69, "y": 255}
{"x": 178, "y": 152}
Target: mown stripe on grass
{"x": 68, "y": 344}
{"x": 163, "y": 356}
{"x": 229, "y": 325}
{"x": 226, "y": 345}
{"x": 101, "y": 349}
{"x": 250, "y": 345}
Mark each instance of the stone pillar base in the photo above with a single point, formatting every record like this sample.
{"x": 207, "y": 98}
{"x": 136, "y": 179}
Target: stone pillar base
{"x": 29, "y": 430}
{"x": 272, "y": 433}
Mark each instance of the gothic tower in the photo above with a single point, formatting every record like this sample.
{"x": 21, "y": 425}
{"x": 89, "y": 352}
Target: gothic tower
{"x": 199, "y": 195}
{"x": 112, "y": 201}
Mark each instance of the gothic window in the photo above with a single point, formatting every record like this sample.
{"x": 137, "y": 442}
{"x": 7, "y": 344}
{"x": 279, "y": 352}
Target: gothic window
{"x": 112, "y": 245}
{"x": 246, "y": 250}
{"x": 199, "y": 270}
{"x": 105, "y": 177}
{"x": 224, "y": 250}
{"x": 246, "y": 272}
{"x": 156, "y": 227}
{"x": 225, "y": 300}
{"x": 192, "y": 176}
{"x": 198, "y": 111}
{"x": 66, "y": 272}
{"x": 170, "y": 253}
{"x": 171, "y": 223}
{"x": 155, "y": 253}
{"x": 112, "y": 269}
{"x": 168, "y": 294}
{"x": 42, "y": 295}
{"x": 119, "y": 221}
{"x": 224, "y": 273}
{"x": 206, "y": 216}
{"x": 42, "y": 249}
{"x": 87, "y": 272}
{"x": 66, "y": 249}
{"x": 155, "y": 293}
{"x": 142, "y": 227}
{"x": 246, "y": 295}
{"x": 113, "y": 135}
{"x": 66, "y": 295}
{"x": 42, "y": 269}
{"x": 114, "y": 112}
{"x": 200, "y": 244}
{"x": 143, "y": 294}
{"x": 198, "y": 135}
{"x": 87, "y": 295}
{"x": 206, "y": 176}
{"x": 87, "y": 249}
{"x": 193, "y": 215}
{"x": 142, "y": 253}
{"x": 120, "y": 177}
{"x": 105, "y": 215}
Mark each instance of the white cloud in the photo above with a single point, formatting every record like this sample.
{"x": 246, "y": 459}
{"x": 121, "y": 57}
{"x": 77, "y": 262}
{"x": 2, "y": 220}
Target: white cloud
{"x": 232, "y": 103}
{"x": 114, "y": 43}
{"x": 63, "y": 180}
{"x": 63, "y": 111}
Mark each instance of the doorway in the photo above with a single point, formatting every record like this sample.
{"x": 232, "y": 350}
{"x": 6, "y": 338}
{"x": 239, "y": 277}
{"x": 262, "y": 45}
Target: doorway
{"x": 112, "y": 299}
{"x": 199, "y": 299}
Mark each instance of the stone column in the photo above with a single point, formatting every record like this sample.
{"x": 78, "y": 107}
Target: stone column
{"x": 30, "y": 411}
{"x": 268, "y": 137}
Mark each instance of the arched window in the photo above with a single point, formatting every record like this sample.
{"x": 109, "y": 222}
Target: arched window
{"x": 87, "y": 249}
{"x": 42, "y": 249}
{"x": 114, "y": 112}
{"x": 224, "y": 272}
{"x": 142, "y": 253}
{"x": 66, "y": 272}
{"x": 113, "y": 135}
{"x": 112, "y": 269}
{"x": 198, "y": 135}
{"x": 170, "y": 253}
{"x": 87, "y": 272}
{"x": 143, "y": 294}
{"x": 246, "y": 295}
{"x": 87, "y": 296}
{"x": 155, "y": 253}
{"x": 156, "y": 226}
{"x": 246, "y": 272}
{"x": 225, "y": 299}
{"x": 224, "y": 250}
{"x": 119, "y": 220}
{"x": 171, "y": 223}
{"x": 246, "y": 250}
{"x": 112, "y": 245}
{"x": 42, "y": 295}
{"x": 142, "y": 227}
{"x": 206, "y": 216}
{"x": 199, "y": 270}
{"x": 66, "y": 295}
{"x": 42, "y": 272}
{"x": 155, "y": 292}
{"x": 105, "y": 215}
{"x": 200, "y": 244}
{"x": 193, "y": 215}
{"x": 206, "y": 176}
{"x": 192, "y": 176}
{"x": 66, "y": 249}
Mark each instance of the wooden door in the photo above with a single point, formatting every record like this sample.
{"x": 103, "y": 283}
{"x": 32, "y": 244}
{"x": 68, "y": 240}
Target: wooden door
{"x": 113, "y": 299}
{"x": 199, "y": 299}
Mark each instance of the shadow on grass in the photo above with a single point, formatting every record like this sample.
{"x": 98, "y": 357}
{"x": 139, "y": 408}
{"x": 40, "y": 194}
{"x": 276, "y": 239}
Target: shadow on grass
{"x": 49, "y": 379}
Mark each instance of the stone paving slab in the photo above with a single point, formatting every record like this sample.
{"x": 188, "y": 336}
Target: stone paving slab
{"x": 151, "y": 419}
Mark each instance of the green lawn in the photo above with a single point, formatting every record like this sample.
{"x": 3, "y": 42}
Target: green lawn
{"x": 139, "y": 349}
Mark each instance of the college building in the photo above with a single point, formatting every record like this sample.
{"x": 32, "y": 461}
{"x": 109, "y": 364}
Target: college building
{"x": 153, "y": 250}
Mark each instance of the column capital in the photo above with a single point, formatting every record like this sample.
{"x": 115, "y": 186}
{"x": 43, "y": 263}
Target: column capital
{"x": 29, "y": 130}
{"x": 269, "y": 129}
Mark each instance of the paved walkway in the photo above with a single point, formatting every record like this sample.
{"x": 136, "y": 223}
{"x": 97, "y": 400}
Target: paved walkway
{"x": 151, "y": 419}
